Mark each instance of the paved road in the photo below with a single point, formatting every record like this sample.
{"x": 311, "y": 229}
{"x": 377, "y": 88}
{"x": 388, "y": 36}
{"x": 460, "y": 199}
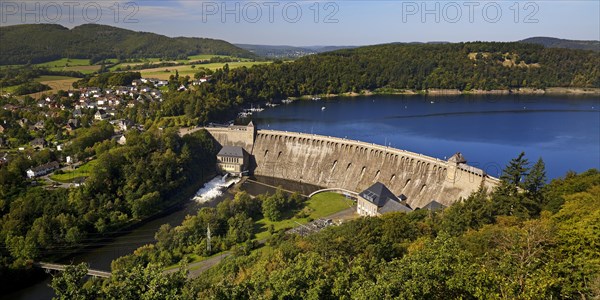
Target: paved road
{"x": 58, "y": 184}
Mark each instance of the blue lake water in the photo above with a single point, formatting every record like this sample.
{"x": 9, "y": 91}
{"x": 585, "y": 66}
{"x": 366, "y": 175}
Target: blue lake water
{"x": 488, "y": 130}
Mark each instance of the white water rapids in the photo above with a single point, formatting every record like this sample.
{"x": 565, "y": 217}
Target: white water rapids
{"x": 213, "y": 188}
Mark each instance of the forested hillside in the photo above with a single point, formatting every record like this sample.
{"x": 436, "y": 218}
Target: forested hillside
{"x": 462, "y": 66}
{"x": 539, "y": 242}
{"x": 36, "y": 43}
{"x": 127, "y": 184}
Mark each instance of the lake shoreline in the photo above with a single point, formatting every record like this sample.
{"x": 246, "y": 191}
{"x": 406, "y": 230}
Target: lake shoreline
{"x": 554, "y": 91}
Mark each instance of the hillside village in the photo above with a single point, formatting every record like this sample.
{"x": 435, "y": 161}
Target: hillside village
{"x": 48, "y": 123}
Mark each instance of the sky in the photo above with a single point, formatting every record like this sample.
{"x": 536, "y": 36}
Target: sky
{"x": 320, "y": 22}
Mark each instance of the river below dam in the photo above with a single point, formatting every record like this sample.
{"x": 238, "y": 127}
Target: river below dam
{"x": 105, "y": 251}
{"x": 488, "y": 130}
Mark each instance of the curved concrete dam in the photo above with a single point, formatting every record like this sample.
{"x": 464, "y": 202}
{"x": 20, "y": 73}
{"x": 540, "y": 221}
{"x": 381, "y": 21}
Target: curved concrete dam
{"x": 353, "y": 165}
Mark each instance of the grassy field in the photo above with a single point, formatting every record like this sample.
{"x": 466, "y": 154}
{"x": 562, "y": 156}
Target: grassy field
{"x": 65, "y": 62}
{"x": 186, "y": 70}
{"x": 191, "y": 59}
{"x": 56, "y": 83}
{"x": 321, "y": 205}
{"x": 70, "y": 176}
{"x": 206, "y": 56}
{"x": 8, "y": 89}
{"x": 72, "y": 64}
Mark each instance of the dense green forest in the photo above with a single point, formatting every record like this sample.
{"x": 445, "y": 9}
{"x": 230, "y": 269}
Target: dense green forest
{"x": 462, "y": 66}
{"x": 127, "y": 184}
{"x": 47, "y": 42}
{"x": 524, "y": 240}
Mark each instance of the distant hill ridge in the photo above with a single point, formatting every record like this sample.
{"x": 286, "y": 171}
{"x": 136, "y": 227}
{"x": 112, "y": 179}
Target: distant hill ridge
{"x": 551, "y": 42}
{"x": 36, "y": 43}
{"x": 285, "y": 51}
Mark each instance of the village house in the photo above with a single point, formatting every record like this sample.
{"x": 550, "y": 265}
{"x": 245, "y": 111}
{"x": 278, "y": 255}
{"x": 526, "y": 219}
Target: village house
{"x": 122, "y": 125}
{"x": 4, "y": 159}
{"x": 121, "y": 140}
{"x": 156, "y": 93}
{"x": 23, "y": 122}
{"x": 111, "y": 112}
{"x": 377, "y": 200}
{"x": 42, "y": 170}
{"x": 121, "y": 90}
{"x": 90, "y": 105}
{"x": 72, "y": 124}
{"x": 114, "y": 101}
{"x": 10, "y": 107}
{"x": 38, "y": 143}
{"x": 200, "y": 81}
{"x": 100, "y": 115}
{"x": 39, "y": 125}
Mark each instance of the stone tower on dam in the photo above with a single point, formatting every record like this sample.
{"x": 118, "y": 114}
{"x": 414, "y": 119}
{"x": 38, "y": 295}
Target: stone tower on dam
{"x": 353, "y": 165}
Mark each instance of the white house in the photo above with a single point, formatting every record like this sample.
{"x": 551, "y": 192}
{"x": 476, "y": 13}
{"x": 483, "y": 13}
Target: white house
{"x": 42, "y": 170}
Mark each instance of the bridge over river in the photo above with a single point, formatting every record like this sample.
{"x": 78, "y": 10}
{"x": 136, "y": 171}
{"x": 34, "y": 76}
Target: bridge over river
{"x": 61, "y": 267}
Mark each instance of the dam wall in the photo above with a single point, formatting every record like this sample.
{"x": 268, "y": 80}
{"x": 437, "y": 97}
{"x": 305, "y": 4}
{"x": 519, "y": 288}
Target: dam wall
{"x": 353, "y": 165}
{"x": 332, "y": 162}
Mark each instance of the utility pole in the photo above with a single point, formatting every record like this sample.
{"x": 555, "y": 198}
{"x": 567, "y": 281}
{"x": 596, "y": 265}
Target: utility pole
{"x": 208, "y": 247}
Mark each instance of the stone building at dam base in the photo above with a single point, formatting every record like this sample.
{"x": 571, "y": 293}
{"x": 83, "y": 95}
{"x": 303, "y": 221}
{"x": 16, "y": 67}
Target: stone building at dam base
{"x": 331, "y": 162}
